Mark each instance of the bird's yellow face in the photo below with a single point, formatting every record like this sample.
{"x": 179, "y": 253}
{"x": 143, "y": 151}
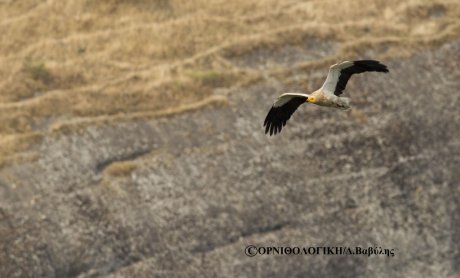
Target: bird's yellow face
{"x": 311, "y": 99}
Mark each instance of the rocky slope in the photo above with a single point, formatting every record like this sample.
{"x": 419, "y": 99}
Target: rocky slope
{"x": 183, "y": 195}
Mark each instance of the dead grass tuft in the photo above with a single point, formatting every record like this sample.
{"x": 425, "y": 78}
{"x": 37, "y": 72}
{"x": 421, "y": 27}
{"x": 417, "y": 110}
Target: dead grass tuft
{"x": 121, "y": 168}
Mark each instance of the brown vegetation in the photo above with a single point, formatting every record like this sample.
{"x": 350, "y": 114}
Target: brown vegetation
{"x": 64, "y": 62}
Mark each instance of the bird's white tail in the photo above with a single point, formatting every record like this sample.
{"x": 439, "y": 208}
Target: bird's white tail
{"x": 343, "y": 103}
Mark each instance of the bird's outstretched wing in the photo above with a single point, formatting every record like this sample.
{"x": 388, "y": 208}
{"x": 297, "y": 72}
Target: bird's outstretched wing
{"x": 282, "y": 110}
{"x": 339, "y": 74}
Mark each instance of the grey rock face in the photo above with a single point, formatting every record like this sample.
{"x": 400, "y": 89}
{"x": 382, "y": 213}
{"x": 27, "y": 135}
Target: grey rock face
{"x": 209, "y": 183}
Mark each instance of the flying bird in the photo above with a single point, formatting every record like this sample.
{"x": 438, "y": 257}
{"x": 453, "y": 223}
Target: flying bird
{"x": 328, "y": 95}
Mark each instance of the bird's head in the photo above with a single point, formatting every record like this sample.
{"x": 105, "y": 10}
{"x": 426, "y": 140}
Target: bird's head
{"x": 311, "y": 99}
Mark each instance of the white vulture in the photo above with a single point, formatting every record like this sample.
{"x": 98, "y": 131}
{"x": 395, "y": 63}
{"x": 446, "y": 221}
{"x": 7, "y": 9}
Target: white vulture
{"x": 328, "y": 95}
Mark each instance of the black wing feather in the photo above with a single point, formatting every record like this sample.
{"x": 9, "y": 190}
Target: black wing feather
{"x": 278, "y": 116}
{"x": 359, "y": 66}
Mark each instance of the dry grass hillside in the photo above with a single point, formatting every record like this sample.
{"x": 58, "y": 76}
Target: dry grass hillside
{"x": 65, "y": 63}
{"x": 131, "y": 139}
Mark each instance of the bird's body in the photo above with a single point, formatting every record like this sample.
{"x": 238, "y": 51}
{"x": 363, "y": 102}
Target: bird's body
{"x": 324, "y": 98}
{"x": 328, "y": 95}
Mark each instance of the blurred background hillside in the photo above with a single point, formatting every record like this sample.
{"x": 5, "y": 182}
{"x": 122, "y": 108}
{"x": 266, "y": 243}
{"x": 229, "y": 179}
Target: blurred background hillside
{"x": 131, "y": 141}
